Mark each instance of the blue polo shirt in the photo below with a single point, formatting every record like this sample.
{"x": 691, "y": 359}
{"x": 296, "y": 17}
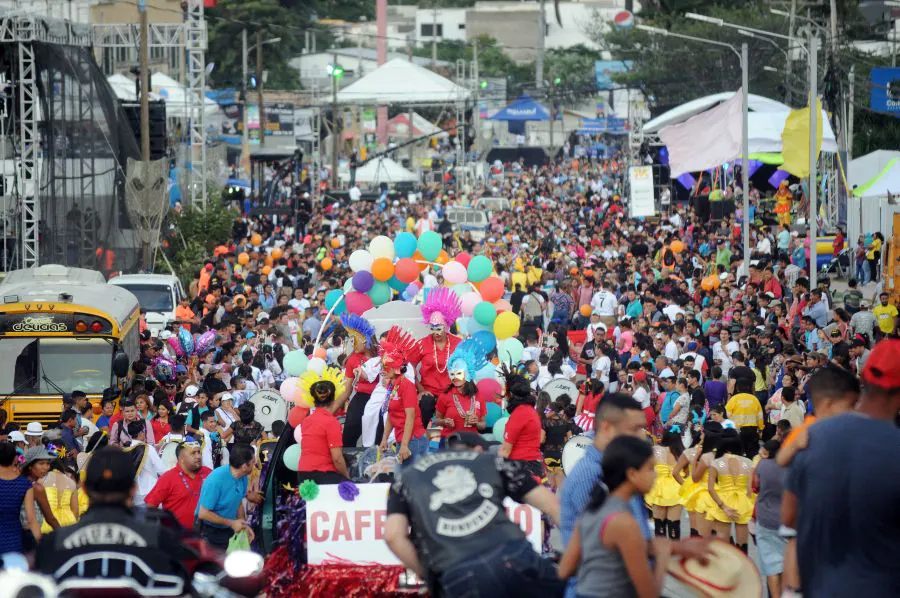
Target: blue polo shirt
{"x": 222, "y": 494}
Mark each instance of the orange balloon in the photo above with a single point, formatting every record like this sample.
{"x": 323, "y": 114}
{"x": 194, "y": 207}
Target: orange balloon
{"x": 277, "y": 253}
{"x": 442, "y": 258}
{"x": 269, "y": 261}
{"x": 326, "y": 264}
{"x": 256, "y": 239}
{"x": 243, "y": 259}
{"x": 406, "y": 270}
{"x": 589, "y": 273}
{"x": 96, "y": 409}
{"x": 320, "y": 353}
{"x": 677, "y": 246}
{"x": 335, "y": 243}
{"x": 707, "y": 283}
{"x": 502, "y": 305}
{"x": 418, "y": 257}
{"x": 382, "y": 269}
{"x": 491, "y": 289}
{"x": 266, "y": 270}
{"x": 585, "y": 310}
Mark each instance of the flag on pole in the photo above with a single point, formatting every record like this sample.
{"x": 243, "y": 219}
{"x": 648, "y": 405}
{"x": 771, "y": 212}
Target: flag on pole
{"x": 795, "y": 140}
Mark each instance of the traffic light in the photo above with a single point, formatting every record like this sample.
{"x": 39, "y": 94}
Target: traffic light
{"x": 335, "y": 71}
{"x": 251, "y": 82}
{"x": 483, "y": 84}
{"x": 557, "y": 81}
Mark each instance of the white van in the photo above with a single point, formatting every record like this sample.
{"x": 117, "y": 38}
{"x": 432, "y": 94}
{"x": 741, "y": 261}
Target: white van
{"x": 157, "y": 294}
{"x": 468, "y": 219}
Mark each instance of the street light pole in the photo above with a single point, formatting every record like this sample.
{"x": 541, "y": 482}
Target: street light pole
{"x": 813, "y": 190}
{"x": 259, "y": 88}
{"x": 245, "y": 133}
{"x": 334, "y": 127}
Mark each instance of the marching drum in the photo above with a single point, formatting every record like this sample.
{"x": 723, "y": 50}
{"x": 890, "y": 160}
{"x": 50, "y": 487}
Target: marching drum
{"x": 573, "y": 451}
{"x": 559, "y": 387}
{"x": 270, "y": 407}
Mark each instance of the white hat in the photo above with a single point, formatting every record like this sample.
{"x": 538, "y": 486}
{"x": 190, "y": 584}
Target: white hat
{"x": 667, "y": 373}
{"x": 728, "y": 572}
{"x": 191, "y": 391}
{"x": 16, "y": 436}
{"x": 34, "y": 429}
{"x": 262, "y": 316}
{"x": 227, "y": 396}
{"x": 165, "y": 335}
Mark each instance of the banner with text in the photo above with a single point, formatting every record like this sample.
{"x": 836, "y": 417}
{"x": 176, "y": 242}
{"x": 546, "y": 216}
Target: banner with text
{"x": 354, "y": 531}
{"x": 640, "y": 179}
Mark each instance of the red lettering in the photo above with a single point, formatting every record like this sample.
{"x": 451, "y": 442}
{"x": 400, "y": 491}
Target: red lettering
{"x": 521, "y": 516}
{"x": 314, "y": 532}
{"x": 341, "y": 528}
{"x": 380, "y": 517}
{"x": 362, "y": 521}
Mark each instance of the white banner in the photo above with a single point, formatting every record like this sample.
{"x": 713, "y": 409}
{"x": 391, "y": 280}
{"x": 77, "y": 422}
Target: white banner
{"x": 640, "y": 179}
{"x": 354, "y": 531}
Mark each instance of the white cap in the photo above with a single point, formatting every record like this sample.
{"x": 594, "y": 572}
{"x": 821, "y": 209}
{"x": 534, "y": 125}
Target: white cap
{"x": 262, "y": 316}
{"x": 667, "y": 373}
{"x": 191, "y": 391}
{"x": 16, "y": 436}
{"x": 165, "y": 335}
{"x": 34, "y": 429}
{"x": 227, "y": 396}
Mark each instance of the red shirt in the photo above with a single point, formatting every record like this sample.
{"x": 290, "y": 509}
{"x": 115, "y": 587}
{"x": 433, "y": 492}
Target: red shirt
{"x": 356, "y": 360}
{"x": 433, "y": 373}
{"x": 321, "y": 433}
{"x": 178, "y": 493}
{"x": 523, "y": 432}
{"x": 590, "y": 403}
{"x": 446, "y": 406}
{"x": 159, "y": 429}
{"x": 403, "y": 397}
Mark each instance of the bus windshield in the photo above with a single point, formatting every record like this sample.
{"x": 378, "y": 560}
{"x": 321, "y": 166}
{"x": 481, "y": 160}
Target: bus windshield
{"x": 52, "y": 365}
{"x": 152, "y": 297}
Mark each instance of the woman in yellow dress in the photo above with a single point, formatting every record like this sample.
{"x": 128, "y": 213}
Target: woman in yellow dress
{"x": 664, "y": 498}
{"x": 783, "y": 199}
{"x": 729, "y": 488}
{"x": 695, "y": 497}
{"x": 62, "y": 493}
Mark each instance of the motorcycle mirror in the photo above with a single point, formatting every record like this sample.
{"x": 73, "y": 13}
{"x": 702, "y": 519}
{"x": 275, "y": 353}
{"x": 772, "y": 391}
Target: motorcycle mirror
{"x": 243, "y": 563}
{"x": 121, "y": 364}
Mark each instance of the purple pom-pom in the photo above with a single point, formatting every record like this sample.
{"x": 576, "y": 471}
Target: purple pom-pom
{"x": 348, "y": 491}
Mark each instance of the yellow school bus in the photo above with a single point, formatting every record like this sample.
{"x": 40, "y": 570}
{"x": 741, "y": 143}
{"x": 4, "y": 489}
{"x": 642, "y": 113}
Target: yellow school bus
{"x": 62, "y": 329}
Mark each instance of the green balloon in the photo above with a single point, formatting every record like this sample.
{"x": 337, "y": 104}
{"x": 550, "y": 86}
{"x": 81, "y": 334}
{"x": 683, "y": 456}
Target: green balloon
{"x": 480, "y": 268}
{"x": 430, "y": 245}
{"x": 380, "y": 293}
{"x": 510, "y": 351}
{"x": 461, "y": 289}
{"x": 348, "y": 286}
{"x": 485, "y": 313}
{"x": 499, "y": 427}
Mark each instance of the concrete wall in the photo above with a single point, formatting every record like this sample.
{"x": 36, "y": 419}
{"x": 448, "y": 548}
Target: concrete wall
{"x": 514, "y": 26}
{"x": 117, "y": 11}
{"x": 451, "y": 24}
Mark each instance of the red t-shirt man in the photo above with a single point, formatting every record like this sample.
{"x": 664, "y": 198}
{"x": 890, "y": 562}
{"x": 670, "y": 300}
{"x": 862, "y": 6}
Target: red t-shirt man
{"x": 357, "y": 360}
{"x": 523, "y": 432}
{"x": 178, "y": 492}
{"x": 433, "y": 372}
{"x": 321, "y": 433}
{"x": 403, "y": 397}
{"x": 447, "y": 407}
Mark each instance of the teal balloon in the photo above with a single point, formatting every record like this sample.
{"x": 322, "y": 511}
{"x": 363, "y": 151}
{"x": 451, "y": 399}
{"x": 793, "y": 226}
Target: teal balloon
{"x": 473, "y": 327}
{"x": 348, "y": 285}
{"x": 430, "y": 245}
{"x": 510, "y": 351}
{"x": 485, "y": 313}
{"x": 405, "y": 244}
{"x": 494, "y": 412}
{"x": 489, "y": 437}
{"x": 396, "y": 284}
{"x": 380, "y": 293}
{"x": 480, "y": 267}
{"x": 499, "y": 427}
{"x": 295, "y": 363}
{"x": 488, "y": 372}
{"x": 291, "y": 457}
{"x": 486, "y": 339}
{"x": 461, "y": 289}
{"x": 333, "y": 296}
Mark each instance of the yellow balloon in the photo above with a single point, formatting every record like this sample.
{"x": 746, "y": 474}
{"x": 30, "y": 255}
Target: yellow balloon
{"x": 506, "y": 325}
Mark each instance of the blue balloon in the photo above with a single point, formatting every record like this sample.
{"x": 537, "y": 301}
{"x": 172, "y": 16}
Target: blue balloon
{"x": 405, "y": 244}
{"x": 333, "y": 296}
{"x": 396, "y": 284}
{"x": 494, "y": 412}
{"x": 473, "y": 327}
{"x": 499, "y": 427}
{"x": 488, "y": 372}
{"x": 186, "y": 340}
{"x": 487, "y": 340}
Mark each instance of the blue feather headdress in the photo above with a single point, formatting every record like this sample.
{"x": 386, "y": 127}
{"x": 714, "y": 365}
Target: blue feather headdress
{"x": 358, "y": 327}
{"x": 469, "y": 357}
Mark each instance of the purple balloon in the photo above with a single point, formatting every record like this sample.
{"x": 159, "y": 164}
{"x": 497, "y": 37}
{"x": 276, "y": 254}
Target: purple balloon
{"x": 363, "y": 281}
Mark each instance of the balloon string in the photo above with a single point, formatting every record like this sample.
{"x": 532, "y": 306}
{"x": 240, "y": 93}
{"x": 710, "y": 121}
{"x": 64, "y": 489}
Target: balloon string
{"x": 325, "y": 321}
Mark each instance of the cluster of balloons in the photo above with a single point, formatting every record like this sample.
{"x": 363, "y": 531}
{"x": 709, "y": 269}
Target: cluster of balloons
{"x": 710, "y": 283}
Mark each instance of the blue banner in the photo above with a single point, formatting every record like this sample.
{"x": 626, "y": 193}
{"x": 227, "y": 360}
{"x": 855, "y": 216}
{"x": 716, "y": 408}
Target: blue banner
{"x": 884, "y": 96}
{"x": 604, "y": 69}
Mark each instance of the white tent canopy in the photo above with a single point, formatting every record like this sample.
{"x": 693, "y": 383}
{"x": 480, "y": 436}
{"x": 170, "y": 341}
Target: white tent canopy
{"x": 381, "y": 170}
{"x": 689, "y": 109}
{"x": 766, "y": 129}
{"x": 399, "y": 126}
{"x": 177, "y": 99}
{"x": 124, "y": 89}
{"x": 865, "y": 168}
{"x": 887, "y": 181}
{"x": 402, "y": 82}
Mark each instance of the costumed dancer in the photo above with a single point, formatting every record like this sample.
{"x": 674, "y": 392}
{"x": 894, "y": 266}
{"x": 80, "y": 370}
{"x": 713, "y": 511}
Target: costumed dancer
{"x": 459, "y": 409}
{"x": 588, "y": 399}
{"x": 440, "y": 310}
{"x": 359, "y": 391}
{"x": 695, "y": 496}
{"x": 321, "y": 443}
{"x": 404, "y": 420}
{"x": 783, "y": 199}
{"x": 729, "y": 488}
{"x": 665, "y": 496}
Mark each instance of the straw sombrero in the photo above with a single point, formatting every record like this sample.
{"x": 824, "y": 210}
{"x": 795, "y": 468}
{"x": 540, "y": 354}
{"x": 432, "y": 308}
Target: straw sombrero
{"x": 729, "y": 572}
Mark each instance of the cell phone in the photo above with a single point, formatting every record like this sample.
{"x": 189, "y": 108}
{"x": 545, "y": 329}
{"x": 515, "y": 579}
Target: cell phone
{"x": 629, "y": 379}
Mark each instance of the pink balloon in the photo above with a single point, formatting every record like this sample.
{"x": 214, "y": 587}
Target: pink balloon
{"x": 489, "y": 390}
{"x": 469, "y": 301}
{"x": 455, "y": 273}
{"x": 357, "y": 303}
{"x": 290, "y": 390}
{"x": 463, "y": 258}
{"x": 298, "y": 434}
{"x": 502, "y": 305}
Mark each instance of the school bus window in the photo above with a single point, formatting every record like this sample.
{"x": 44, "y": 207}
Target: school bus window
{"x": 44, "y": 365}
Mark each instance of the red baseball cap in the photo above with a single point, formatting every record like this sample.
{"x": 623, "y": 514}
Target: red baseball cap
{"x": 640, "y": 376}
{"x": 881, "y": 367}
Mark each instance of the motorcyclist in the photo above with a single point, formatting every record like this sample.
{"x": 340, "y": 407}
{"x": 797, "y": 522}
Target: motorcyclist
{"x": 110, "y": 527}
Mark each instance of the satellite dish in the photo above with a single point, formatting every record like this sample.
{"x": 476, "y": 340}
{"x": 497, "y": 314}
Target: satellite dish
{"x": 270, "y": 407}
{"x": 559, "y": 387}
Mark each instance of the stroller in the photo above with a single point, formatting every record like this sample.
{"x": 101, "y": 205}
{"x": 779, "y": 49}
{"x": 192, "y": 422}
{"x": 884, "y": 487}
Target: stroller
{"x": 840, "y": 267}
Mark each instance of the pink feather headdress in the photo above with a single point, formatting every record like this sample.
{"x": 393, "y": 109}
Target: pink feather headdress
{"x": 442, "y": 306}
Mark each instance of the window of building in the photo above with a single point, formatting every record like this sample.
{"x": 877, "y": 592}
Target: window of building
{"x": 427, "y": 30}
{"x": 462, "y": 26}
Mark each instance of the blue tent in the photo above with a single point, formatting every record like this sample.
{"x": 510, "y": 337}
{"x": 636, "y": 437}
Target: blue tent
{"x": 523, "y": 109}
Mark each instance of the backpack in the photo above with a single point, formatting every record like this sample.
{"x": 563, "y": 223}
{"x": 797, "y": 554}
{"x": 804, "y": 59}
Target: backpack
{"x": 533, "y": 309}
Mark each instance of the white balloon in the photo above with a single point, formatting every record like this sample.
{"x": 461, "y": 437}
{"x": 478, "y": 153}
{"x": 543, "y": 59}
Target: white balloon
{"x": 381, "y": 246}
{"x": 361, "y": 260}
{"x": 316, "y": 364}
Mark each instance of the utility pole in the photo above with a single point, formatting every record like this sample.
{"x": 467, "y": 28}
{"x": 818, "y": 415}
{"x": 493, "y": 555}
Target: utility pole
{"x": 552, "y": 114}
{"x": 259, "y": 88}
{"x": 434, "y": 35}
{"x": 410, "y": 115}
{"x": 245, "y": 105}
{"x": 476, "y": 121}
{"x": 334, "y": 127}
{"x": 812, "y": 217}
{"x": 146, "y": 194}
{"x": 788, "y": 67}
{"x": 850, "y": 107}
{"x": 539, "y": 58}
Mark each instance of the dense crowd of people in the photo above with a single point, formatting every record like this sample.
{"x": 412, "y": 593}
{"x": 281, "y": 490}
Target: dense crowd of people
{"x": 745, "y": 380}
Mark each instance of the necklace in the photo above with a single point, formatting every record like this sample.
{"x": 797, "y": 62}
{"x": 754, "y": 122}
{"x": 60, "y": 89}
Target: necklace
{"x": 437, "y": 364}
{"x": 195, "y": 493}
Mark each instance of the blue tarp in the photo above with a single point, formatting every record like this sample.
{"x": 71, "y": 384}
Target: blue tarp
{"x": 222, "y": 97}
{"x": 522, "y": 110}
{"x": 605, "y": 126}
